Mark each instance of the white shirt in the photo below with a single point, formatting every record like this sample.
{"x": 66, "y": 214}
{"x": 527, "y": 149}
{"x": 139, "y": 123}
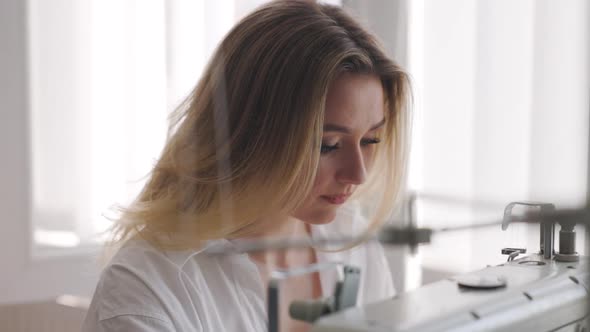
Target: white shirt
{"x": 147, "y": 289}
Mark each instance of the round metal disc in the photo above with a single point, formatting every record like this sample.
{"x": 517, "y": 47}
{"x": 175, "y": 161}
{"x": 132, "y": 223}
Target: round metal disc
{"x": 481, "y": 281}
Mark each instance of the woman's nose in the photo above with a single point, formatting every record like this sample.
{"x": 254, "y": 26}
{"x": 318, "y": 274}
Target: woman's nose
{"x": 352, "y": 169}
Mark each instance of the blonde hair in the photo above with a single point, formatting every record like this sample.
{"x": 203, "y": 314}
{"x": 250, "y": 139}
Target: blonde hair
{"x": 246, "y": 143}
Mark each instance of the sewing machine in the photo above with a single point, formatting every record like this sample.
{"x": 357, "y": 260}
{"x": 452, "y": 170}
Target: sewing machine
{"x": 546, "y": 291}
{"x": 527, "y": 294}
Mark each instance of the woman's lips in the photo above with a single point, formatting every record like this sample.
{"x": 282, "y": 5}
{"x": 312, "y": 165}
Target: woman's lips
{"x": 336, "y": 199}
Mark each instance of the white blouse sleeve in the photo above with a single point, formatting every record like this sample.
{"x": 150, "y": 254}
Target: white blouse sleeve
{"x": 126, "y": 301}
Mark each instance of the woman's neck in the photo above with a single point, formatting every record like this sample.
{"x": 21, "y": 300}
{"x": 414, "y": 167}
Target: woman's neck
{"x": 290, "y": 229}
{"x": 280, "y": 227}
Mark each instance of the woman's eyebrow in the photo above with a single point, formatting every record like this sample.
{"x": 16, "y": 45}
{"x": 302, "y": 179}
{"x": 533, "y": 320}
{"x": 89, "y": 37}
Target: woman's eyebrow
{"x": 346, "y": 130}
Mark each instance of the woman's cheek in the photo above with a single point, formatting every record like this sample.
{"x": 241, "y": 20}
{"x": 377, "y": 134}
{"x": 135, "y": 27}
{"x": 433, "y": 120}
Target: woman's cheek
{"x": 322, "y": 175}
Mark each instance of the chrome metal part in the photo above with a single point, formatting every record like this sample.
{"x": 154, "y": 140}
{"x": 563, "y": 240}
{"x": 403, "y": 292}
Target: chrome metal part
{"x": 547, "y": 229}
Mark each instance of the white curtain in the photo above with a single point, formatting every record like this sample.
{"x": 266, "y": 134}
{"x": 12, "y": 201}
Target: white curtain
{"x": 98, "y": 113}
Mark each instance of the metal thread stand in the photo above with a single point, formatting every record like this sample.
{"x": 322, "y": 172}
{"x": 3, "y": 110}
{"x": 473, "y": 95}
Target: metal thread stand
{"x": 345, "y": 294}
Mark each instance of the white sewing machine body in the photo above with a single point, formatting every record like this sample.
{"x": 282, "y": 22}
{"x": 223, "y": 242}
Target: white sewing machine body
{"x": 539, "y": 295}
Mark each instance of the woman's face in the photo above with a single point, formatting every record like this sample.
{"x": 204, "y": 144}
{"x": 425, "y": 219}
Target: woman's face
{"x": 354, "y": 114}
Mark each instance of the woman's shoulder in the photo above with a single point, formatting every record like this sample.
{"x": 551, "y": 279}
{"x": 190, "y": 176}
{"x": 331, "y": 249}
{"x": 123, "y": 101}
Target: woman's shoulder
{"x": 142, "y": 280}
{"x": 134, "y": 280}
{"x": 139, "y": 254}
{"x": 176, "y": 288}
{"x": 142, "y": 257}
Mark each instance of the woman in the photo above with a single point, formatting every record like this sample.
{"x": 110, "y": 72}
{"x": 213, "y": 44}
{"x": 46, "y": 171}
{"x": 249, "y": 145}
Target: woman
{"x": 297, "y": 123}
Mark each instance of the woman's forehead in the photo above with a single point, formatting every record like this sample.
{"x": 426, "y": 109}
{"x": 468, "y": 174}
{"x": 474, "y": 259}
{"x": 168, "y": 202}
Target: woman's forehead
{"x": 354, "y": 101}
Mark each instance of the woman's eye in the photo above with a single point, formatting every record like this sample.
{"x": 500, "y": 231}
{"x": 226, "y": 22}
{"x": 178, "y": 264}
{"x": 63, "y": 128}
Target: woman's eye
{"x": 364, "y": 142}
{"x": 328, "y": 148}
{"x": 369, "y": 141}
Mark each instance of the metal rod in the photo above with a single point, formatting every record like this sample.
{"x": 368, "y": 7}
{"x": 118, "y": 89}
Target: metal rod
{"x": 404, "y": 235}
{"x": 273, "y": 306}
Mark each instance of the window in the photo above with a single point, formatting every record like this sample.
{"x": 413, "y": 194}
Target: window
{"x": 104, "y": 76}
